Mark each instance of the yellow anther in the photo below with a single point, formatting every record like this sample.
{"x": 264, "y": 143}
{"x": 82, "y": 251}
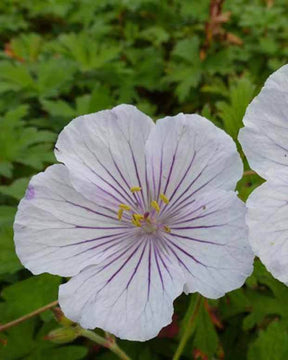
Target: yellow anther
{"x": 120, "y": 213}
{"x": 135, "y": 189}
{"x": 124, "y": 207}
{"x": 155, "y": 206}
{"x": 164, "y": 198}
{"x": 138, "y": 216}
{"x": 167, "y": 229}
{"x": 136, "y": 222}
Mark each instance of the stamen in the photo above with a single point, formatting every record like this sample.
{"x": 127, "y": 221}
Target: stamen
{"x": 135, "y": 221}
{"x": 135, "y": 189}
{"x": 120, "y": 213}
{"x": 124, "y": 207}
{"x": 155, "y": 206}
{"x": 138, "y": 216}
{"x": 167, "y": 229}
{"x": 164, "y": 198}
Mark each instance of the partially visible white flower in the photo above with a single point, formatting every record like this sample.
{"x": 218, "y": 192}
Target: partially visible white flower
{"x": 137, "y": 214}
{"x": 265, "y": 142}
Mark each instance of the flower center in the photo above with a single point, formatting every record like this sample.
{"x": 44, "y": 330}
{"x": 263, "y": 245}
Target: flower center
{"x": 149, "y": 220}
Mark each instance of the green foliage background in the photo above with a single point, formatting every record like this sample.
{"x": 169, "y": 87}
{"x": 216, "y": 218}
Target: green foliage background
{"x": 63, "y": 58}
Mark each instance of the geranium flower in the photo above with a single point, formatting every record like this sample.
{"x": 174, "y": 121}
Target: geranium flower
{"x": 137, "y": 214}
{"x": 265, "y": 142}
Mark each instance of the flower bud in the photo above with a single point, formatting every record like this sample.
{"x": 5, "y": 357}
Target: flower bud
{"x": 63, "y": 335}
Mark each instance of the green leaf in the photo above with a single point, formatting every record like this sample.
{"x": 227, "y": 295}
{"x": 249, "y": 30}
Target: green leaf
{"x": 16, "y": 189}
{"x": 147, "y": 68}
{"x": 22, "y": 144}
{"x": 219, "y": 62}
{"x": 72, "y": 352}
{"x": 100, "y": 99}
{"x": 54, "y": 76}
{"x": 271, "y": 343}
{"x": 195, "y": 9}
{"x": 7, "y": 214}
{"x": 232, "y": 111}
{"x": 31, "y": 294}
{"x": 9, "y": 262}
{"x": 58, "y": 108}
{"x": 187, "y": 77}
{"x": 15, "y": 77}
{"x": 187, "y": 49}
{"x": 88, "y": 54}
{"x": 6, "y": 169}
{"x": 155, "y": 34}
{"x": 206, "y": 338}
{"x": 265, "y": 300}
{"x": 27, "y": 46}
{"x": 20, "y": 342}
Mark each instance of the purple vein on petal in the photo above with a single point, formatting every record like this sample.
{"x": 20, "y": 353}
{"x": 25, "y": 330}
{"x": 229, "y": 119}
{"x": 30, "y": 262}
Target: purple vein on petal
{"x": 194, "y": 192}
{"x": 163, "y": 262}
{"x": 170, "y": 169}
{"x": 197, "y": 227}
{"x": 114, "y": 242}
{"x": 137, "y": 266}
{"x": 133, "y": 159}
{"x": 122, "y": 176}
{"x": 126, "y": 248}
{"x": 194, "y": 239}
{"x": 118, "y": 200}
{"x": 180, "y": 183}
{"x": 160, "y": 174}
{"x": 171, "y": 213}
{"x": 105, "y": 191}
{"x": 195, "y": 217}
{"x": 179, "y": 260}
{"x": 178, "y": 211}
{"x": 128, "y": 198}
{"x": 90, "y": 210}
{"x": 117, "y": 272}
{"x": 100, "y": 227}
{"x": 185, "y": 252}
{"x": 149, "y": 272}
{"x": 158, "y": 266}
{"x": 147, "y": 181}
{"x": 95, "y": 239}
{"x": 173, "y": 204}
{"x": 193, "y": 181}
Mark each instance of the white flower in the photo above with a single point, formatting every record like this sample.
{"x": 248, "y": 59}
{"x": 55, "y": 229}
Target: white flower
{"x": 265, "y": 142}
{"x": 137, "y": 214}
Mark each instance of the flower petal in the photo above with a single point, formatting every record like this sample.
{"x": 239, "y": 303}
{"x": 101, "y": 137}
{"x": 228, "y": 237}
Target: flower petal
{"x": 186, "y": 154}
{"x": 104, "y": 153}
{"x": 209, "y": 238}
{"x": 58, "y": 230}
{"x": 129, "y": 294}
{"x": 268, "y": 231}
{"x": 264, "y": 137}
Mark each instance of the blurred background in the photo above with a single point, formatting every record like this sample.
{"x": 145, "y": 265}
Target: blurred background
{"x": 64, "y": 58}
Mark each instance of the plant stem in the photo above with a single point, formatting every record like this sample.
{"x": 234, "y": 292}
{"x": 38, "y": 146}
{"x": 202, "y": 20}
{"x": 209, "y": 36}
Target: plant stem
{"x": 190, "y": 317}
{"x": 111, "y": 345}
{"x": 28, "y": 316}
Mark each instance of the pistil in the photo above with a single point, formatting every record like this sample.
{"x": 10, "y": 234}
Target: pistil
{"x": 149, "y": 220}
